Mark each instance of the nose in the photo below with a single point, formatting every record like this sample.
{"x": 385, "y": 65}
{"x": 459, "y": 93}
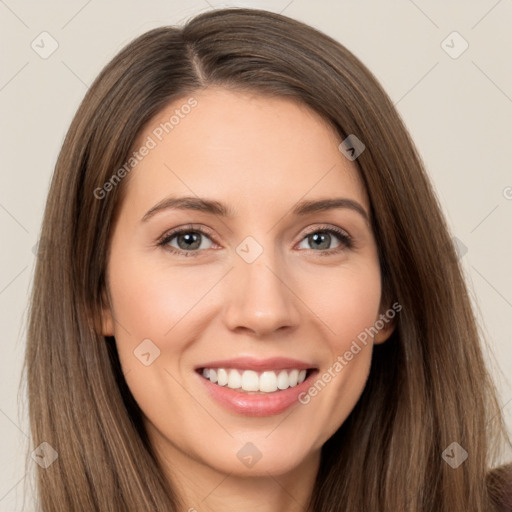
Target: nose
{"x": 260, "y": 298}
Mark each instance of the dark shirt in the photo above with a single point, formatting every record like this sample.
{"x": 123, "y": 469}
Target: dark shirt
{"x": 499, "y": 483}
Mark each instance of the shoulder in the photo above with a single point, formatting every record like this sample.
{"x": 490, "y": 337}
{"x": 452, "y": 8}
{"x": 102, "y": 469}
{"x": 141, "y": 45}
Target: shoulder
{"x": 499, "y": 484}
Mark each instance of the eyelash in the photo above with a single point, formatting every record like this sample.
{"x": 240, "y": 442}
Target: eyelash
{"x": 345, "y": 239}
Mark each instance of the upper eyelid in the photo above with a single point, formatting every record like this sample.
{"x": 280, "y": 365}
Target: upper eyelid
{"x": 325, "y": 227}
{"x": 187, "y": 227}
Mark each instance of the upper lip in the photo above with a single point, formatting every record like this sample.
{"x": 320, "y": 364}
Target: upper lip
{"x": 251, "y": 363}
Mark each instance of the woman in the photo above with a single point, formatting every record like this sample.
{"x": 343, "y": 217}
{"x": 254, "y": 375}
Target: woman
{"x": 249, "y": 298}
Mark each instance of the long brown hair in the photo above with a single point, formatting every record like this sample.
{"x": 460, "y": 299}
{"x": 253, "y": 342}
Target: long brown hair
{"x": 428, "y": 385}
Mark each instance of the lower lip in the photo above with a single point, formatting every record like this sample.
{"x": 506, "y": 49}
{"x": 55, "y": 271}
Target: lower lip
{"x": 267, "y": 404}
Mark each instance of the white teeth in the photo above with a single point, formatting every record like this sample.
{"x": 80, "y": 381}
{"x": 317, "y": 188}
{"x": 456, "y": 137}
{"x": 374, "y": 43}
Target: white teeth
{"x": 283, "y": 381}
{"x": 268, "y": 382}
{"x": 234, "y": 379}
{"x": 222, "y": 377}
{"x": 249, "y": 380}
{"x": 293, "y": 377}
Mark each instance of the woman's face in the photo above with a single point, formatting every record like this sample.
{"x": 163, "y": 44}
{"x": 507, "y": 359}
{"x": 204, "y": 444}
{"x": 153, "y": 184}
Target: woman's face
{"x": 256, "y": 273}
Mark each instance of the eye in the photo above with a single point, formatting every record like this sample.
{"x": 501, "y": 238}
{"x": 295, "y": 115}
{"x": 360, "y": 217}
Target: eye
{"x": 189, "y": 241}
{"x": 322, "y": 238}
{"x": 186, "y": 241}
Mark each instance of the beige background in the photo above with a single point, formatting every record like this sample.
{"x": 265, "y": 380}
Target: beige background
{"x": 457, "y": 109}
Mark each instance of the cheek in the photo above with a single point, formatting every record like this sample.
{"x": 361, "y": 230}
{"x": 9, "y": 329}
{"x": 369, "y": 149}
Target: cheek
{"x": 348, "y": 305}
{"x": 150, "y": 301}
{"x": 346, "y": 300}
{"x": 336, "y": 389}
{"x": 153, "y": 309}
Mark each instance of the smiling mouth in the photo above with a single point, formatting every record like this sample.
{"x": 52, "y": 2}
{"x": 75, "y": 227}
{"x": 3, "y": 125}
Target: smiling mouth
{"x": 256, "y": 382}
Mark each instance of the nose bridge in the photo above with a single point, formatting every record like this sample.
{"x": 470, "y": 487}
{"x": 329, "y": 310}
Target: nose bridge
{"x": 259, "y": 296}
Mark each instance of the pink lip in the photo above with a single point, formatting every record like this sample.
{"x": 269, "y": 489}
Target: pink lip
{"x": 267, "y": 404}
{"x": 250, "y": 363}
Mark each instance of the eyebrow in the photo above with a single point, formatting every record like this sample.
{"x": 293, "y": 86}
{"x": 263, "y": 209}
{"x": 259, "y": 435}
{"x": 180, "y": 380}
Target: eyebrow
{"x": 217, "y": 208}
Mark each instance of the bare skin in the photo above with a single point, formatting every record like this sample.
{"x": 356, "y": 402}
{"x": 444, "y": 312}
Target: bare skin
{"x": 259, "y": 156}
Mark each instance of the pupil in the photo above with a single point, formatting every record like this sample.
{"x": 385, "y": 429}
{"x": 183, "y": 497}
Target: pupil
{"x": 190, "y": 239}
{"x": 321, "y": 238}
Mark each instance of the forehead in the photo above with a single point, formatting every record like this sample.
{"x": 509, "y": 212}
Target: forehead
{"x": 254, "y": 151}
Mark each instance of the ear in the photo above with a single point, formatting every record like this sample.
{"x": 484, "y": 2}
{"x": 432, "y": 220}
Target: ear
{"x": 107, "y": 318}
{"x": 385, "y": 322}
